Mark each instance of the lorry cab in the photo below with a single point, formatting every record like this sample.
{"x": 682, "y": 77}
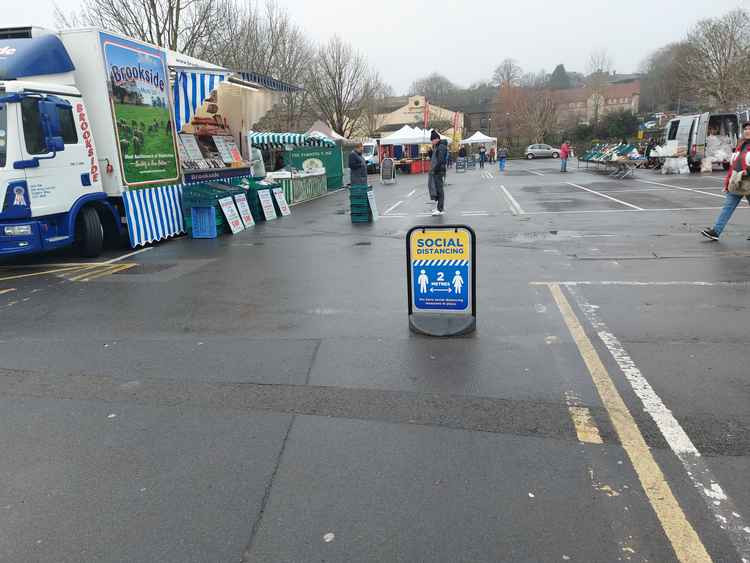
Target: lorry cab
{"x": 50, "y": 183}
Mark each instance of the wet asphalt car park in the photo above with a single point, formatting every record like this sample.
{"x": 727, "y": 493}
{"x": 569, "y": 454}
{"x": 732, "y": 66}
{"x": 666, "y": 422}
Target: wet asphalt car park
{"x": 261, "y": 398}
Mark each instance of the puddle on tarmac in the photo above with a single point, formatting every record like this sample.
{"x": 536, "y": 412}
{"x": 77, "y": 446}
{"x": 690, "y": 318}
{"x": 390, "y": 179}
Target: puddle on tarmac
{"x": 553, "y": 236}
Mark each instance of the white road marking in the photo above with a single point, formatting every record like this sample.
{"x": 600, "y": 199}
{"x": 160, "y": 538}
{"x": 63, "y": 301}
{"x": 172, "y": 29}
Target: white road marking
{"x": 621, "y": 210}
{"x": 535, "y": 172}
{"x": 740, "y": 284}
{"x": 392, "y": 207}
{"x": 681, "y": 188}
{"x": 4, "y": 291}
{"x": 515, "y": 208}
{"x": 725, "y": 513}
{"x": 127, "y": 255}
{"x": 411, "y": 193}
{"x": 475, "y": 213}
{"x": 625, "y": 203}
{"x": 394, "y": 216}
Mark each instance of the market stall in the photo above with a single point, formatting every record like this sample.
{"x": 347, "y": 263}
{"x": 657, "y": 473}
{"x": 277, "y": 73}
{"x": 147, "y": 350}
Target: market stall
{"x": 312, "y": 164}
{"x": 213, "y": 108}
{"x": 408, "y": 147}
{"x": 619, "y": 160}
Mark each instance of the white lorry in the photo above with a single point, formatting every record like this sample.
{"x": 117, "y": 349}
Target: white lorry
{"x": 702, "y": 136}
{"x": 371, "y": 155}
{"x": 84, "y": 116}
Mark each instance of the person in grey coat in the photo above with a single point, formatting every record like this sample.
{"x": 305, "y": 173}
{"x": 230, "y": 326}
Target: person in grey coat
{"x": 437, "y": 171}
{"x": 358, "y": 165}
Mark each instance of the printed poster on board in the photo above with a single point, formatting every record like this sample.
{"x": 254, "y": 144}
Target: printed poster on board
{"x": 138, "y": 83}
{"x": 230, "y": 212}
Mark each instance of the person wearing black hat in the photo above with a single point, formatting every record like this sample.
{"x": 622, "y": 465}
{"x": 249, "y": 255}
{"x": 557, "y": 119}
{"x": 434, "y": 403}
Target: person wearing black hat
{"x": 437, "y": 171}
{"x": 736, "y": 185}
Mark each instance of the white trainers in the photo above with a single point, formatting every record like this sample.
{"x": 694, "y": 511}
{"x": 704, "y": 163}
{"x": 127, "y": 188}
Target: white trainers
{"x": 436, "y": 213}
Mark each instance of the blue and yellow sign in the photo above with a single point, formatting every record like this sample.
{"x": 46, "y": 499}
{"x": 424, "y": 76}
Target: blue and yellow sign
{"x": 441, "y": 270}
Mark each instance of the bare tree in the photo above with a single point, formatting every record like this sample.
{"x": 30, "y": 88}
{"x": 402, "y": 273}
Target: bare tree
{"x": 180, "y": 25}
{"x": 598, "y": 69}
{"x": 339, "y": 83}
{"x": 372, "y": 114}
{"x": 527, "y": 111}
{"x": 715, "y": 66}
{"x": 507, "y": 73}
{"x": 432, "y": 86}
{"x": 662, "y": 87}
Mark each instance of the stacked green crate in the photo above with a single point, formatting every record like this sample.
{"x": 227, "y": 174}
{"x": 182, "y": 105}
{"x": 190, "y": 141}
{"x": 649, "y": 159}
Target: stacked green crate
{"x": 207, "y": 195}
{"x": 360, "y": 205}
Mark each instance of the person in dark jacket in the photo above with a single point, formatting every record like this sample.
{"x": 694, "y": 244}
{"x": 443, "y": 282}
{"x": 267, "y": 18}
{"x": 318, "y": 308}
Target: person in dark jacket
{"x": 437, "y": 171}
{"x": 358, "y": 165}
{"x": 279, "y": 162}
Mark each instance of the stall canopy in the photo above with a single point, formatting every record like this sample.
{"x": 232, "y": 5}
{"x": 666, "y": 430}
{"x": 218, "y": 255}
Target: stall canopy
{"x": 410, "y": 136}
{"x": 279, "y": 140}
{"x": 192, "y": 85}
{"x": 319, "y": 128}
{"x": 479, "y": 138}
{"x": 190, "y": 89}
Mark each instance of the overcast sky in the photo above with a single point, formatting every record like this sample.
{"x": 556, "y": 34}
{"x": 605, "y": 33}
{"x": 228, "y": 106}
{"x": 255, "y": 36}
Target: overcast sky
{"x": 465, "y": 40}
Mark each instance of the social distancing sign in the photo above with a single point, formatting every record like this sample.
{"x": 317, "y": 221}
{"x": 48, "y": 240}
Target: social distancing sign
{"x": 441, "y": 279}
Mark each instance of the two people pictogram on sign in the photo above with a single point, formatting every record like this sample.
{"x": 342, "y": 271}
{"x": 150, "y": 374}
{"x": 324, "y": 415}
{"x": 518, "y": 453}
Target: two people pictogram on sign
{"x": 424, "y": 280}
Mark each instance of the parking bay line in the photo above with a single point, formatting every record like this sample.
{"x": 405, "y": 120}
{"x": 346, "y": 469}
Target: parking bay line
{"x": 681, "y": 188}
{"x": 535, "y": 172}
{"x": 621, "y": 210}
{"x": 515, "y": 208}
{"x": 606, "y": 196}
{"x": 4, "y": 291}
{"x": 392, "y": 207}
{"x": 685, "y": 542}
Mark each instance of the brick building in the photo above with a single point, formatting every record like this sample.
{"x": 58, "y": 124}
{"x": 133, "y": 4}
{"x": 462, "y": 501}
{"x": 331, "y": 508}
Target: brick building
{"x": 580, "y": 105}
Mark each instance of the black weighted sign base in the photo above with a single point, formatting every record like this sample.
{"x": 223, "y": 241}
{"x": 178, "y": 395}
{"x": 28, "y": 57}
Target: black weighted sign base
{"x": 442, "y": 325}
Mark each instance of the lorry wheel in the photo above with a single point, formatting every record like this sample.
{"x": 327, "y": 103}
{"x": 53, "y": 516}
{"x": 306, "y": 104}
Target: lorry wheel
{"x": 89, "y": 233}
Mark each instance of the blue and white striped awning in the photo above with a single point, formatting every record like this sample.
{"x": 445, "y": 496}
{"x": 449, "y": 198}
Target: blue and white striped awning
{"x": 190, "y": 90}
{"x": 268, "y": 82}
{"x": 153, "y": 214}
{"x": 282, "y": 139}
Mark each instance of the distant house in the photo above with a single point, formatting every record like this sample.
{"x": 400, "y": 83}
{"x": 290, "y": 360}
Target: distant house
{"x": 396, "y": 112}
{"x": 580, "y": 105}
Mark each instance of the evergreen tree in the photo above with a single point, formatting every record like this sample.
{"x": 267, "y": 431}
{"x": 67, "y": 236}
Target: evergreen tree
{"x": 559, "y": 79}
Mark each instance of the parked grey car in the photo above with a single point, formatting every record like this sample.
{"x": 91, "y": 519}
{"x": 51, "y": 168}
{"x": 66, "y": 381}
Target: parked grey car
{"x": 541, "y": 151}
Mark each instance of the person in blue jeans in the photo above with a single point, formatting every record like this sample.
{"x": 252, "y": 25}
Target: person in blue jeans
{"x": 502, "y": 156}
{"x": 734, "y": 194}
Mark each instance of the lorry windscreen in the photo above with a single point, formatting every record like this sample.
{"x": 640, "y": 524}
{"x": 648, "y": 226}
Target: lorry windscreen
{"x": 3, "y": 133}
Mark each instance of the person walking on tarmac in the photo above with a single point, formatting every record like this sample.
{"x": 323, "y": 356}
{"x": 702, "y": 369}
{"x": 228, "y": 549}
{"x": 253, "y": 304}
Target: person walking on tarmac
{"x": 736, "y": 185}
{"x": 358, "y": 165}
{"x": 482, "y": 156}
{"x": 502, "y": 156}
{"x": 565, "y": 151}
{"x": 436, "y": 179}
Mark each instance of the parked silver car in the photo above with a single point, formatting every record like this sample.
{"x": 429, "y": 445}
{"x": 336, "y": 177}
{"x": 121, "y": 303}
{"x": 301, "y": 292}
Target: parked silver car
{"x": 541, "y": 151}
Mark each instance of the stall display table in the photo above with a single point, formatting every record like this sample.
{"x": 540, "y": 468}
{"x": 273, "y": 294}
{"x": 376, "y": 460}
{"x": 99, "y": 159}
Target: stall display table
{"x": 301, "y": 186}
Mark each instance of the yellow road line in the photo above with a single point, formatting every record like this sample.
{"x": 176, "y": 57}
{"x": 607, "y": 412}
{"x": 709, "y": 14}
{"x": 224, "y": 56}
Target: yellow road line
{"x": 47, "y": 272}
{"x": 585, "y": 426}
{"x": 685, "y": 541}
{"x": 108, "y": 271}
{"x": 80, "y": 273}
{"x": 4, "y": 291}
